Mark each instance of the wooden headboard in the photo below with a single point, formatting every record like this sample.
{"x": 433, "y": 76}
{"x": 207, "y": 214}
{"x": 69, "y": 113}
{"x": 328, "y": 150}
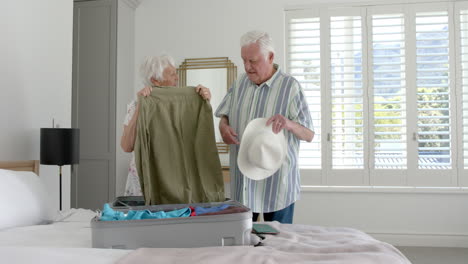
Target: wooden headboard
{"x": 21, "y": 165}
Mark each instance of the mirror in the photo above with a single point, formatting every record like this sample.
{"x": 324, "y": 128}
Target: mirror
{"x": 216, "y": 73}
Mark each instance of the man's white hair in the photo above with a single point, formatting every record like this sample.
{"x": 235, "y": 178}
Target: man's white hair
{"x": 153, "y": 67}
{"x": 262, "y": 38}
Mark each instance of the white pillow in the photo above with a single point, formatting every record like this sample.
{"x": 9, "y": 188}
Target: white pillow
{"x": 23, "y": 200}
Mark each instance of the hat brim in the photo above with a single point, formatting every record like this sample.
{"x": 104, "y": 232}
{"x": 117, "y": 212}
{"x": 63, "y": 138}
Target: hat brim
{"x": 249, "y": 170}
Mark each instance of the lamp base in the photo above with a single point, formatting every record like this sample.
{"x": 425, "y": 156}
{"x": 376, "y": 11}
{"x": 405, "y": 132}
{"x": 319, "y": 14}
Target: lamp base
{"x": 60, "y": 188}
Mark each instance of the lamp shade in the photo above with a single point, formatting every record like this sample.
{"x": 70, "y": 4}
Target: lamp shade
{"x": 60, "y": 146}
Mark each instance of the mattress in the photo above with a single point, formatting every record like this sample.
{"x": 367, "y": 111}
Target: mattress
{"x": 68, "y": 240}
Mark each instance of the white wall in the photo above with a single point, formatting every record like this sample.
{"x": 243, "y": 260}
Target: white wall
{"x": 202, "y": 28}
{"x": 125, "y": 84}
{"x": 211, "y": 28}
{"x": 404, "y": 217}
{"x": 35, "y": 80}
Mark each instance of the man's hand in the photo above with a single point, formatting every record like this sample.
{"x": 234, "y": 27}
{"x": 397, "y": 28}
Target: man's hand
{"x": 228, "y": 134}
{"x": 279, "y": 122}
{"x": 203, "y": 92}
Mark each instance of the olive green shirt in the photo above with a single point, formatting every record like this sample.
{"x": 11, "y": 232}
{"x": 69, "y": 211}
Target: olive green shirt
{"x": 175, "y": 149}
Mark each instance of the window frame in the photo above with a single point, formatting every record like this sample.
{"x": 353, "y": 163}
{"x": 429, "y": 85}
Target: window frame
{"x": 369, "y": 176}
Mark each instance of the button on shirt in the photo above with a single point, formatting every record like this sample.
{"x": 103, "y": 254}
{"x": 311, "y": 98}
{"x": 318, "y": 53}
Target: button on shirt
{"x": 245, "y": 101}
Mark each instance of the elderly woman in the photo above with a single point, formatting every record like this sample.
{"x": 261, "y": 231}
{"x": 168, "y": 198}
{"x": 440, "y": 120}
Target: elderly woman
{"x": 155, "y": 71}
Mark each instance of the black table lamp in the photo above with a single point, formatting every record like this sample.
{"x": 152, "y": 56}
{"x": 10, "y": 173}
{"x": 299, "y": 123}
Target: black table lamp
{"x": 60, "y": 146}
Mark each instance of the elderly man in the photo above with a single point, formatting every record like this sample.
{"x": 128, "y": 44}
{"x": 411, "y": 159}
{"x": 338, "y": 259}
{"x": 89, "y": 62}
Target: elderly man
{"x": 154, "y": 71}
{"x": 265, "y": 91}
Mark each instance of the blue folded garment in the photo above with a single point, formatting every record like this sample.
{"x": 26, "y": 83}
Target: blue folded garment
{"x": 202, "y": 210}
{"x": 108, "y": 214}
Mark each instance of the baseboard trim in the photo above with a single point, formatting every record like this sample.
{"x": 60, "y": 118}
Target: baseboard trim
{"x": 423, "y": 240}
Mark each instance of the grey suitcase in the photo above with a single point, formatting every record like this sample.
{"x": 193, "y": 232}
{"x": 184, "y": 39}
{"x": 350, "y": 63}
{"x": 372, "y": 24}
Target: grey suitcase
{"x": 196, "y": 231}
{"x": 128, "y": 202}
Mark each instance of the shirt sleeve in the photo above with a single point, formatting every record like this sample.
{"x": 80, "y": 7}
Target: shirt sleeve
{"x": 130, "y": 111}
{"x": 299, "y": 109}
{"x": 224, "y": 107}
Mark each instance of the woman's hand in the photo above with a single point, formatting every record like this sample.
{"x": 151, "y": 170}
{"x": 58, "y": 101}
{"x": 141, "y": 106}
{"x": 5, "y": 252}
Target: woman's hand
{"x": 203, "y": 92}
{"x": 145, "y": 91}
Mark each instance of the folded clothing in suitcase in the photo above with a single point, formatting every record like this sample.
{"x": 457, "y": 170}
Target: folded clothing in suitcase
{"x": 195, "y": 231}
{"x": 128, "y": 202}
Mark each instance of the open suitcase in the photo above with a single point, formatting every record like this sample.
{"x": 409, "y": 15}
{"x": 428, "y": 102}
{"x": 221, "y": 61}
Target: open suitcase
{"x": 195, "y": 231}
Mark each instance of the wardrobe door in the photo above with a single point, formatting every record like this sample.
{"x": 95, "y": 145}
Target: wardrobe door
{"x": 94, "y": 102}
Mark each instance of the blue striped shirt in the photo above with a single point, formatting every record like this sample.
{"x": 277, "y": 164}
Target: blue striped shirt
{"x": 245, "y": 101}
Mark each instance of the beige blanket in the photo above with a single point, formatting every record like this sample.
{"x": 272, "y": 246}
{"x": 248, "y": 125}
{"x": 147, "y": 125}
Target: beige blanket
{"x": 294, "y": 244}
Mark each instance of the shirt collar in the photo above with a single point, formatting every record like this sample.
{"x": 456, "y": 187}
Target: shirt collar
{"x": 272, "y": 78}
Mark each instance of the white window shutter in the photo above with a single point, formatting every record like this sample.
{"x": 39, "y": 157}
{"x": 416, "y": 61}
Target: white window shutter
{"x": 433, "y": 90}
{"x": 347, "y": 95}
{"x": 461, "y": 32}
{"x": 304, "y": 65}
{"x": 464, "y": 81}
{"x": 389, "y": 91}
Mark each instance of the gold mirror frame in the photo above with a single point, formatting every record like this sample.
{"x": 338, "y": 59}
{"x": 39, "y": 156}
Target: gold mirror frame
{"x": 209, "y": 63}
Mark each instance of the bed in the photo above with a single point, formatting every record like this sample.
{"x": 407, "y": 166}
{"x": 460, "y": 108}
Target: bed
{"x": 22, "y": 165}
{"x": 65, "y": 237}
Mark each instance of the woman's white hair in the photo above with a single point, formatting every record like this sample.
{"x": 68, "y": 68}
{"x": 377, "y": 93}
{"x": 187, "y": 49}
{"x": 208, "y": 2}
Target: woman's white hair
{"x": 153, "y": 67}
{"x": 262, "y": 38}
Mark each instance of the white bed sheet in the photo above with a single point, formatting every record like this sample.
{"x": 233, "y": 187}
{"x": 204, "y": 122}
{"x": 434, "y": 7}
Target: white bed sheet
{"x": 69, "y": 241}
{"x": 52, "y": 255}
{"x": 294, "y": 244}
{"x": 70, "y": 229}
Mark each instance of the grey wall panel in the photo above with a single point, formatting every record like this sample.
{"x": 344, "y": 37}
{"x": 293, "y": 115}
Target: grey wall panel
{"x": 94, "y": 101}
{"x": 93, "y": 183}
{"x": 94, "y": 77}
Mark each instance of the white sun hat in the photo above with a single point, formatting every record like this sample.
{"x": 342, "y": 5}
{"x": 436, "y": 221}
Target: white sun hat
{"x": 261, "y": 151}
